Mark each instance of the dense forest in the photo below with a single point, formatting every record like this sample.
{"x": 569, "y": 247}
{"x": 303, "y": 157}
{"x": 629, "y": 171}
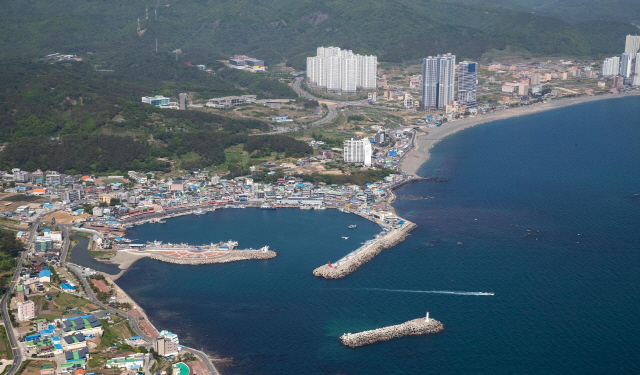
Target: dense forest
{"x": 203, "y": 31}
{"x": 70, "y": 118}
{"x": 77, "y": 153}
{"x": 10, "y": 247}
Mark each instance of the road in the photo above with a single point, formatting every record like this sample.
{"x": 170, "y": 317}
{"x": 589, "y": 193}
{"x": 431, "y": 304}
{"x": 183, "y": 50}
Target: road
{"x": 17, "y": 354}
{"x": 133, "y": 322}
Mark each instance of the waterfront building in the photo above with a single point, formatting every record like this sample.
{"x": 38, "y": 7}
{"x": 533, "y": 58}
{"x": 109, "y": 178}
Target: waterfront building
{"x": 358, "y": 151}
{"x": 26, "y": 311}
{"x": 438, "y": 77}
{"x": 611, "y": 66}
{"x": 166, "y": 347}
{"x": 467, "y": 83}
{"x": 625, "y": 65}
{"x": 638, "y": 63}
{"x": 632, "y": 44}
{"x": 335, "y": 69}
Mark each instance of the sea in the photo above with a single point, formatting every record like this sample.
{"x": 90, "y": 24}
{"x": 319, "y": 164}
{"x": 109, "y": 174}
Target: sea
{"x": 543, "y": 211}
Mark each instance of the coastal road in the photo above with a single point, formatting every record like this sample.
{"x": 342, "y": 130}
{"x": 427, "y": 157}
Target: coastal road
{"x": 13, "y": 341}
{"x": 133, "y": 322}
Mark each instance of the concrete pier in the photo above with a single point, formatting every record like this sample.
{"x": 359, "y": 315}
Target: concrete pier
{"x": 365, "y": 253}
{"x": 420, "y": 326}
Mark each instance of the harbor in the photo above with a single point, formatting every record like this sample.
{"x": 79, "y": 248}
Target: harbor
{"x": 421, "y": 326}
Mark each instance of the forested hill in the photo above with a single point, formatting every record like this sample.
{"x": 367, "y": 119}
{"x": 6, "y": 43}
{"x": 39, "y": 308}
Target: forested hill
{"x": 574, "y": 10}
{"x": 287, "y": 30}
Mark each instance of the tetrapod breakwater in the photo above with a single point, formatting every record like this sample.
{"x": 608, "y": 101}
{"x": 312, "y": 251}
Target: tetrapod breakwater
{"x": 422, "y": 326}
{"x": 365, "y": 253}
{"x": 232, "y": 256}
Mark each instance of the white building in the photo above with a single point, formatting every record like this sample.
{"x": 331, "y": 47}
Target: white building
{"x": 359, "y": 151}
{"x": 625, "y": 65}
{"x": 638, "y": 63}
{"x": 632, "y": 44}
{"x": 611, "y": 67}
{"x": 335, "y": 69}
{"x": 26, "y": 311}
{"x": 438, "y": 76}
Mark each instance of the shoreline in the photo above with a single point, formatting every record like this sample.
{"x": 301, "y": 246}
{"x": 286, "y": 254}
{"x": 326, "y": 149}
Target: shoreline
{"x": 424, "y": 142}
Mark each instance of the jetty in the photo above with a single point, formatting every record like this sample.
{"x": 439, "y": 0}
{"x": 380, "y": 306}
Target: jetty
{"x": 231, "y": 256}
{"x": 365, "y": 253}
{"x": 421, "y": 326}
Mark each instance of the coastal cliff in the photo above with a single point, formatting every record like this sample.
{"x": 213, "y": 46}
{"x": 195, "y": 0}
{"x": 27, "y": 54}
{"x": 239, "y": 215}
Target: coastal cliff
{"x": 414, "y": 327}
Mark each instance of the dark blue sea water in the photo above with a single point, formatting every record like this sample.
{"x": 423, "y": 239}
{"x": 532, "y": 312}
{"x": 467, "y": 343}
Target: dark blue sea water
{"x": 566, "y": 297}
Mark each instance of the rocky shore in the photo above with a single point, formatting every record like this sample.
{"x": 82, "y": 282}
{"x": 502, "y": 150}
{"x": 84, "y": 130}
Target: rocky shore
{"x": 361, "y": 256}
{"x": 420, "y": 326}
{"x": 231, "y": 257}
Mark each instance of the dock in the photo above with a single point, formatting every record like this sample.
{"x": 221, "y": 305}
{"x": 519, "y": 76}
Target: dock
{"x": 365, "y": 253}
{"x": 421, "y": 326}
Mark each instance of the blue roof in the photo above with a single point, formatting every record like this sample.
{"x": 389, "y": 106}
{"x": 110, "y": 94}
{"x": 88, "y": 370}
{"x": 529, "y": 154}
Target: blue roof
{"x": 46, "y": 230}
{"x": 66, "y": 286}
{"x": 57, "y": 346}
{"x": 45, "y": 273}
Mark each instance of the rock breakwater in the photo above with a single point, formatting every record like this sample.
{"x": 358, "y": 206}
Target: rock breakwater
{"x": 414, "y": 327}
{"x": 352, "y": 261}
{"x": 233, "y": 256}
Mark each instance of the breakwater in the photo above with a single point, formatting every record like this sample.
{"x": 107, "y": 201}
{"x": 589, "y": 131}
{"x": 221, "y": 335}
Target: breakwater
{"x": 232, "y": 256}
{"x": 365, "y": 253}
{"x": 421, "y": 326}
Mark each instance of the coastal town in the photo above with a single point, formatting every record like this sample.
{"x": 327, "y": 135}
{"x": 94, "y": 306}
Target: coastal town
{"x": 368, "y": 131}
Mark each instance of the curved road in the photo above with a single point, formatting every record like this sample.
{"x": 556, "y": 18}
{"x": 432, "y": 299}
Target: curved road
{"x": 13, "y": 341}
{"x": 133, "y": 322}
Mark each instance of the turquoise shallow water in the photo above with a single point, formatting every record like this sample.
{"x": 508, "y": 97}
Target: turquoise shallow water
{"x": 566, "y": 297}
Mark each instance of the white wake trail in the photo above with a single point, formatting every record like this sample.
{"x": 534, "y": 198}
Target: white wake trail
{"x": 422, "y": 291}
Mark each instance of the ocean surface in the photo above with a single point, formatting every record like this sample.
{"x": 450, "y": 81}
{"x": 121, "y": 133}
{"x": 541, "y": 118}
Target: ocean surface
{"x": 539, "y": 210}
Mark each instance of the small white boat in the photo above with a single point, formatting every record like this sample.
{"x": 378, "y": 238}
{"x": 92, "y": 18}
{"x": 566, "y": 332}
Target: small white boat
{"x": 345, "y": 238}
{"x": 353, "y": 226}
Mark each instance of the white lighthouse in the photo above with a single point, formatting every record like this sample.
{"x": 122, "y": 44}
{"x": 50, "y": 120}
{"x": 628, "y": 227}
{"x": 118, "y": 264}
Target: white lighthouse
{"x": 426, "y": 319}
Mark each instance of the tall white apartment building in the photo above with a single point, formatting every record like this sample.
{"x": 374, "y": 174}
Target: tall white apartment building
{"x": 625, "y": 65}
{"x": 335, "y": 69}
{"x": 611, "y": 67}
{"x": 632, "y": 44}
{"x": 467, "y": 83}
{"x": 438, "y": 77}
{"x": 358, "y": 151}
{"x": 638, "y": 63}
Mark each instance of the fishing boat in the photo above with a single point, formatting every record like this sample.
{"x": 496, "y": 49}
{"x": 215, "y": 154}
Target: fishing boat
{"x": 198, "y": 212}
{"x": 267, "y": 206}
{"x": 345, "y": 238}
{"x": 306, "y": 208}
{"x": 352, "y": 226}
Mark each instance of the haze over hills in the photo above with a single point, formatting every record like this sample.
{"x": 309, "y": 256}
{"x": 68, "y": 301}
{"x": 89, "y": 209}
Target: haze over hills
{"x": 627, "y": 11}
{"x": 288, "y": 31}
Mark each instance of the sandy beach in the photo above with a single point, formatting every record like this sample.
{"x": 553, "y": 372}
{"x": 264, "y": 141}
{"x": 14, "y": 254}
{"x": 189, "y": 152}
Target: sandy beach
{"x": 425, "y": 141}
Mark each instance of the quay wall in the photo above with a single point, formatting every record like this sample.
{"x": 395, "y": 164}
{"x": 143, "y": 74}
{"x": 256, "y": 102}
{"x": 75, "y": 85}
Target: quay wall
{"x": 413, "y": 327}
{"x": 233, "y": 256}
{"x": 362, "y": 256}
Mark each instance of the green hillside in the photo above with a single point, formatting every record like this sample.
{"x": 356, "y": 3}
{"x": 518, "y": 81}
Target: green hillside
{"x": 286, "y": 31}
{"x": 627, "y": 11}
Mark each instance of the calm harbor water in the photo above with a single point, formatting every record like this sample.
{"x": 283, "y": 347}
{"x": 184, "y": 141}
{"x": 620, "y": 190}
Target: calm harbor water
{"x": 566, "y": 295}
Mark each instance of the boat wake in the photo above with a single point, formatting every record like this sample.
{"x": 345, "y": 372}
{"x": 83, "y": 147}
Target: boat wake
{"x": 458, "y": 293}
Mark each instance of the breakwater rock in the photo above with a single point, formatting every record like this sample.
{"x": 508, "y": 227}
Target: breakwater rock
{"x": 411, "y": 328}
{"x": 364, "y": 254}
{"x": 233, "y": 256}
